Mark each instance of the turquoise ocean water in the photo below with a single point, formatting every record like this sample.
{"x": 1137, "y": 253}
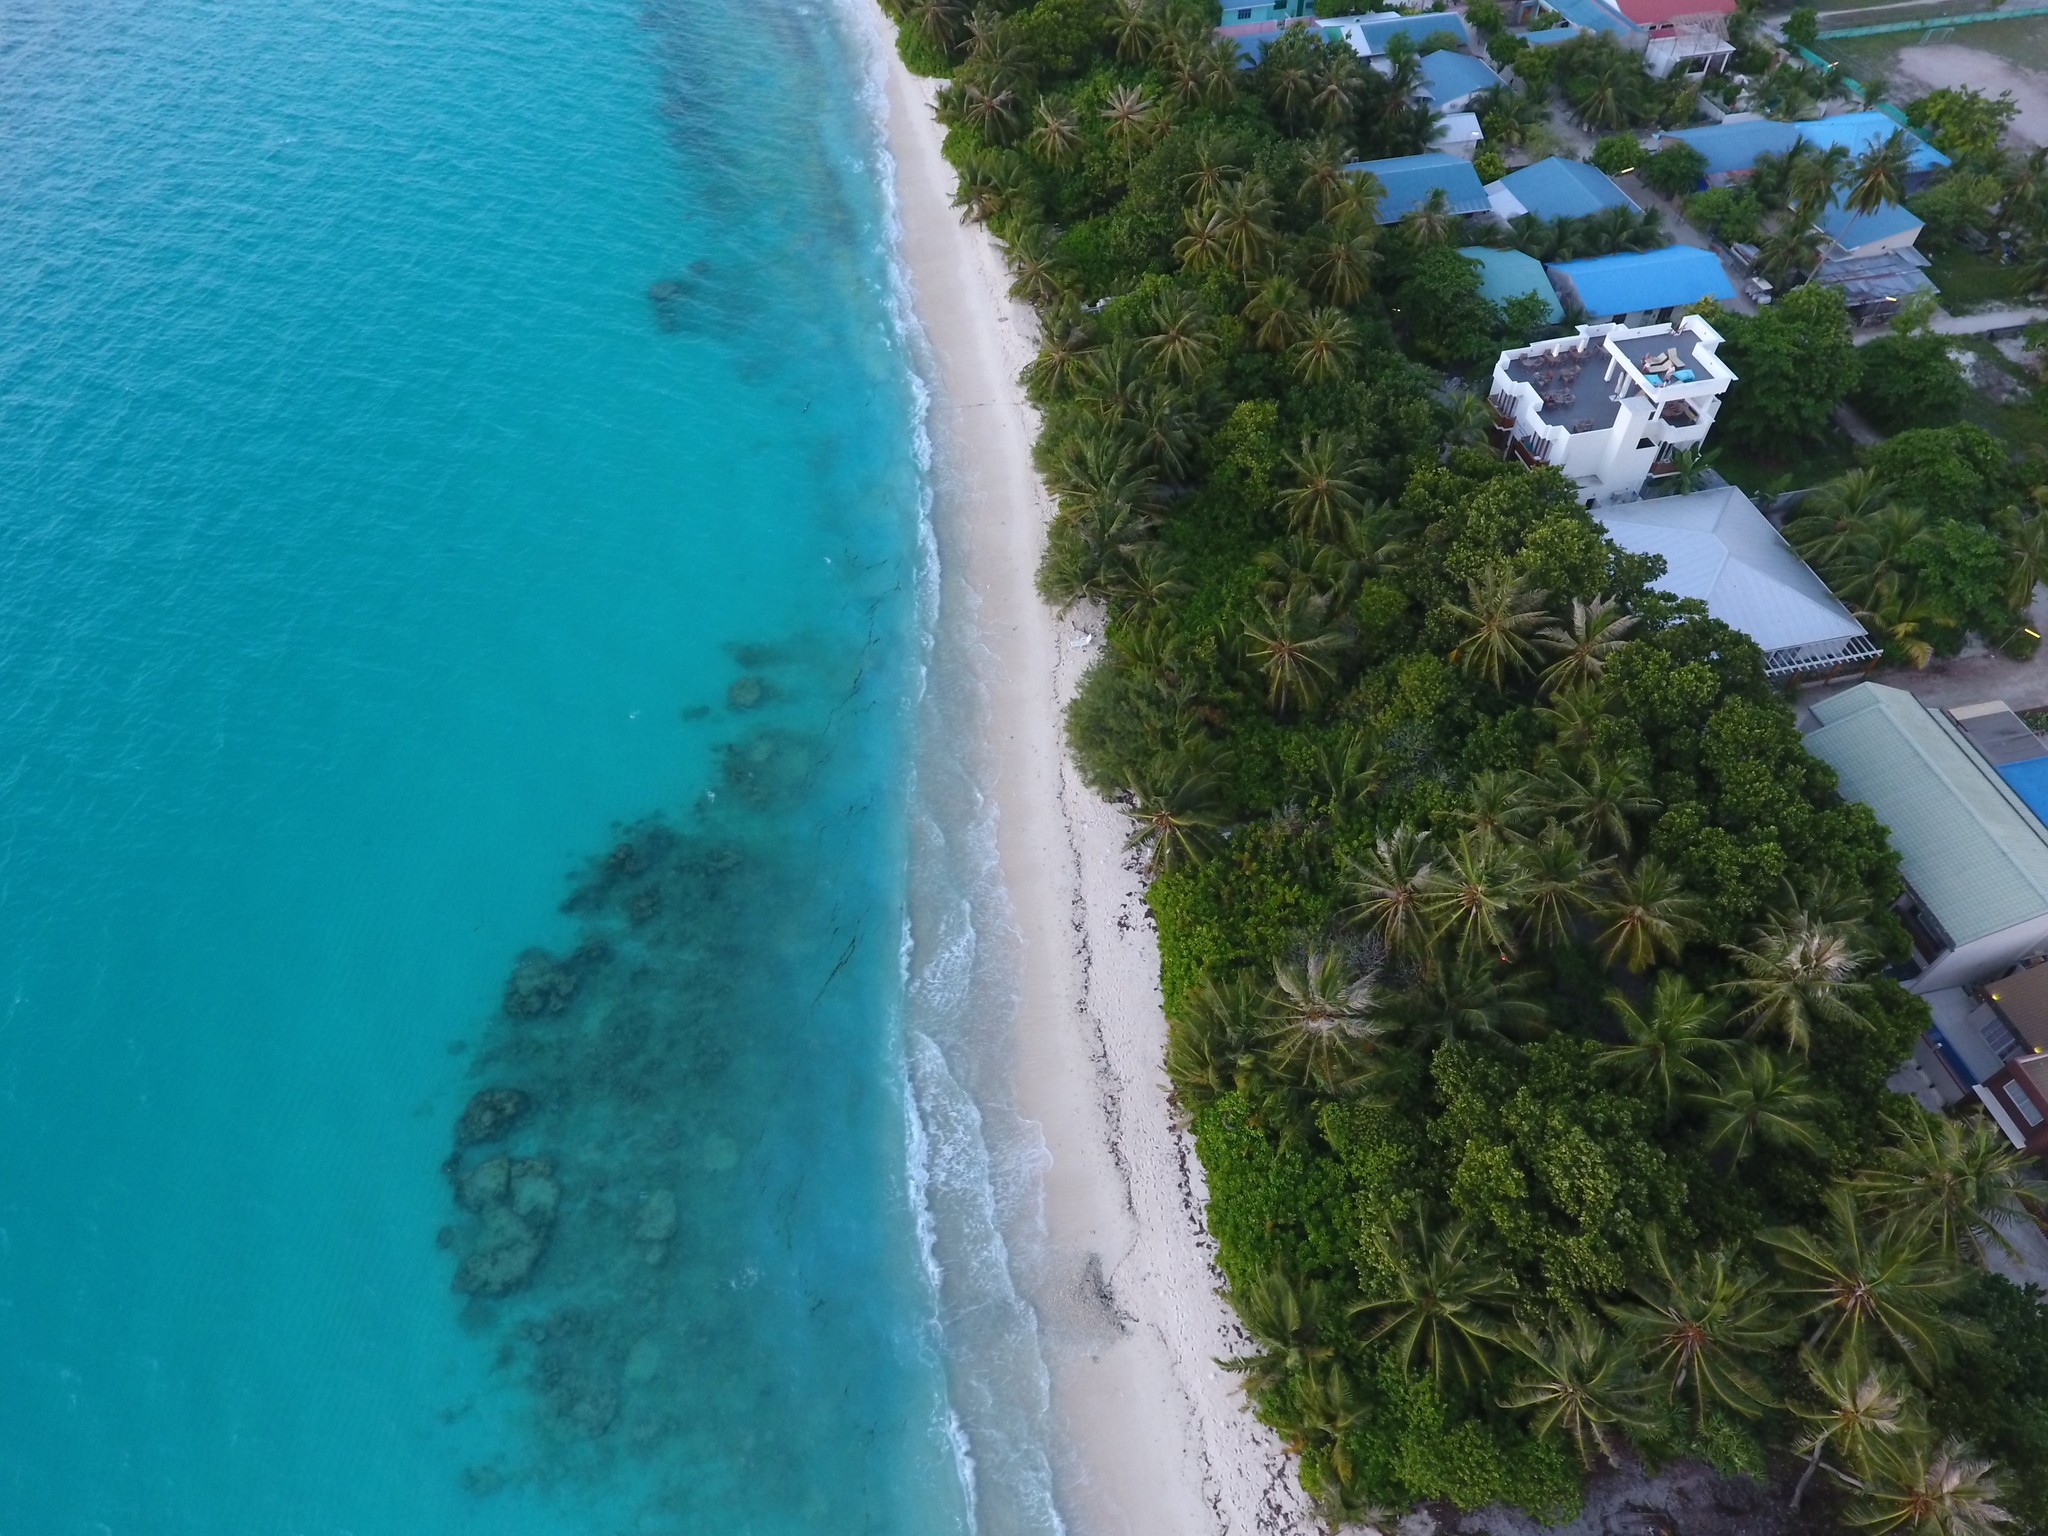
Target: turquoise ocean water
{"x": 466, "y": 622}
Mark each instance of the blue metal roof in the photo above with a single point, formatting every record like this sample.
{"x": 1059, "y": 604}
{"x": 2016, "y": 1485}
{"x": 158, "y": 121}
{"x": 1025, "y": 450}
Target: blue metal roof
{"x": 1550, "y": 37}
{"x": 1592, "y": 16}
{"x": 1736, "y": 146}
{"x": 1409, "y": 179}
{"x": 1505, "y": 275}
{"x": 1447, "y": 76}
{"x": 1564, "y": 189}
{"x": 1378, "y": 31}
{"x": 1850, "y": 230}
{"x": 1641, "y": 280}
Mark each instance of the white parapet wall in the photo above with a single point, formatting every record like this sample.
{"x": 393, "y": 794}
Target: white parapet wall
{"x": 1611, "y": 405}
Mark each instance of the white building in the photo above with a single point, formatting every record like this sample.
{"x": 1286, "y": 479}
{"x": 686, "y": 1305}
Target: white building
{"x": 1613, "y": 405}
{"x": 1716, "y": 546}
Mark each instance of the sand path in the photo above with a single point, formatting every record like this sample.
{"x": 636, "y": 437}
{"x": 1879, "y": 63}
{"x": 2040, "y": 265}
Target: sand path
{"x": 1931, "y": 66}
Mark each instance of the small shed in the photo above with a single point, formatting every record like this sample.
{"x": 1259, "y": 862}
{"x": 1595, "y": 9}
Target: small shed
{"x": 1458, "y": 133}
{"x": 1505, "y": 275}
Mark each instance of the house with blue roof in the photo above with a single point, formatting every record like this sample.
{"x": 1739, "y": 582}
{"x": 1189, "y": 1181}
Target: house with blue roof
{"x": 1372, "y": 37}
{"x": 1450, "y": 80}
{"x": 1408, "y": 181}
{"x": 1733, "y": 148}
{"x": 1557, "y": 189}
{"x": 1642, "y": 286}
{"x": 1894, "y": 227}
{"x": 1505, "y": 275}
{"x": 1264, "y": 10}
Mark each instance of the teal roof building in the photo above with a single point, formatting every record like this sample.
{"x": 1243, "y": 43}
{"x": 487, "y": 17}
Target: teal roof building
{"x": 1505, "y": 275}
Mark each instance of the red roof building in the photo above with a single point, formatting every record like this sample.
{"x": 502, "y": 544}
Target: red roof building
{"x": 1663, "y": 13}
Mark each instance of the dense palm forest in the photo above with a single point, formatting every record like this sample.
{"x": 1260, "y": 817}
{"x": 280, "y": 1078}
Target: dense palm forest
{"x": 1526, "y": 975}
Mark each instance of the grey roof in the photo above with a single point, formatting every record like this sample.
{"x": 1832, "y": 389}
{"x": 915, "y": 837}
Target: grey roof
{"x": 1973, "y": 853}
{"x": 1717, "y": 547}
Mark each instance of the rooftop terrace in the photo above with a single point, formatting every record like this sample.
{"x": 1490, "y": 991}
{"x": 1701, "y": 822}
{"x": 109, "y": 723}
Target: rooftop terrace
{"x": 1582, "y": 381}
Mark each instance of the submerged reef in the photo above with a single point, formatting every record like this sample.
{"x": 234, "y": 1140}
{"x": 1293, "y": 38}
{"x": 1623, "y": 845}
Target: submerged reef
{"x": 633, "y": 1169}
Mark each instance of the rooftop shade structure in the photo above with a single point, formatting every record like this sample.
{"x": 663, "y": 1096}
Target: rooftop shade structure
{"x": 1409, "y": 179}
{"x": 1556, "y": 189}
{"x": 1736, "y": 146}
{"x": 1636, "y": 281}
{"x": 1717, "y": 547}
{"x": 1974, "y": 854}
{"x": 1505, "y": 275}
{"x": 1448, "y": 75}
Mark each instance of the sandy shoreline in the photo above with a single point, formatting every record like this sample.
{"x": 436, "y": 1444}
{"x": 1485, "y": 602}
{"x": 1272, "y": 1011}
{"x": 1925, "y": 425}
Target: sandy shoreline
{"x": 1153, "y": 1435}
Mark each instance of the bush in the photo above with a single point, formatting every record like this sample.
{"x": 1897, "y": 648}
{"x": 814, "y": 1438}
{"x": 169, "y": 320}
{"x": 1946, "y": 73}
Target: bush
{"x": 1617, "y": 154}
{"x": 1489, "y": 164}
{"x": 1730, "y": 216}
{"x": 1802, "y": 27}
{"x": 1676, "y": 170}
{"x": 1910, "y": 381}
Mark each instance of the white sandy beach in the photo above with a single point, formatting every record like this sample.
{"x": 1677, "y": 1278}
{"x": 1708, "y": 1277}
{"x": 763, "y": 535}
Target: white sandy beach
{"x": 1154, "y": 1436}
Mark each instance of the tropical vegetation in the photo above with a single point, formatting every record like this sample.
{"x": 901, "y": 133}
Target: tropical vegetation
{"x": 1526, "y": 976}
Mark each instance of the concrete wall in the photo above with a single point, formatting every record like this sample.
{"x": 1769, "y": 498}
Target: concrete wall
{"x": 1983, "y": 959}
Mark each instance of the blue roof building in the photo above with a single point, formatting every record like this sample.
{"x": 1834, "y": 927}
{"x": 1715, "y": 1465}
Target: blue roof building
{"x": 1505, "y": 275}
{"x": 1642, "y": 282}
{"x": 1557, "y": 189}
{"x": 1733, "y": 148}
{"x": 1451, "y": 79}
{"x": 1886, "y": 229}
{"x": 1408, "y": 181}
{"x": 1372, "y": 36}
{"x": 1550, "y": 37}
{"x": 1592, "y": 16}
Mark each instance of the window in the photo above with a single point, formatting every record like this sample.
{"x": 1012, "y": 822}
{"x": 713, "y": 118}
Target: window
{"x": 1645, "y": 443}
{"x": 1999, "y": 1036}
{"x": 2024, "y": 1103}
{"x": 1244, "y": 15}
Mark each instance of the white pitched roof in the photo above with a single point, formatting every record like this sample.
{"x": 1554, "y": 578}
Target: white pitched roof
{"x": 1717, "y": 547}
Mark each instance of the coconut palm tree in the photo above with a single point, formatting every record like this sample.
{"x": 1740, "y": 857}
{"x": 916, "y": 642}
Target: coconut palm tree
{"x": 1701, "y": 1328}
{"x": 1583, "y": 645}
{"x": 1672, "y": 1046}
{"x": 1296, "y": 647}
{"x": 1205, "y": 247}
{"x": 1794, "y": 246}
{"x": 1929, "y": 1491}
{"x": 1877, "y": 178}
{"x": 990, "y": 185}
{"x": 1324, "y": 489}
{"x": 1812, "y": 179}
{"x": 1329, "y": 343}
{"x": 1893, "y": 538}
{"x": 1062, "y": 354}
{"x": 1176, "y": 810}
{"x": 1179, "y": 340}
{"x": 1504, "y": 613}
{"x": 1134, "y": 28}
{"x": 1858, "y": 1282}
{"x": 1055, "y": 135}
{"x": 2026, "y": 540}
{"x": 1605, "y": 98}
{"x": 1451, "y": 1303}
{"x": 1601, "y": 801}
{"x": 1576, "y": 1379}
{"x": 1563, "y": 885}
{"x": 1796, "y": 973}
{"x": 1157, "y": 576}
{"x": 1292, "y": 1323}
{"x": 1470, "y": 895}
{"x": 1247, "y": 211}
{"x": 1336, "y": 90}
{"x": 1276, "y": 313}
{"x": 1648, "y": 914}
{"x": 1324, "y": 1019}
{"x": 1388, "y": 882}
{"x": 1097, "y": 470}
{"x": 1469, "y": 997}
{"x": 1959, "y": 1180}
{"x": 1497, "y": 806}
{"x": 1849, "y": 1407}
{"x": 1761, "y": 1101}
{"x": 1340, "y": 262}
{"x": 1130, "y": 116}
{"x": 1210, "y": 1038}
{"x": 1432, "y": 221}
{"x": 1833, "y": 522}
{"x": 1573, "y": 717}
{"x": 936, "y": 22}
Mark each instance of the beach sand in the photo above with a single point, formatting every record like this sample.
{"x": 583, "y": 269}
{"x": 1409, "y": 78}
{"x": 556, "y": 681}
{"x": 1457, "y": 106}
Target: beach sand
{"x": 1153, "y": 1436}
